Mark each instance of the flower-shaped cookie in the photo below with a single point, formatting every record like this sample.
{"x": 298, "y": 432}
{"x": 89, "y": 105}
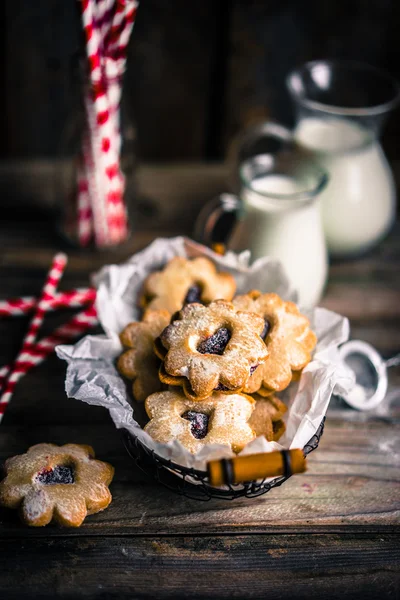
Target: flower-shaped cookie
{"x": 266, "y": 418}
{"x": 184, "y": 281}
{"x": 63, "y": 483}
{"x": 287, "y": 335}
{"x": 278, "y": 428}
{"x": 211, "y": 348}
{"x": 139, "y": 363}
{"x": 217, "y": 420}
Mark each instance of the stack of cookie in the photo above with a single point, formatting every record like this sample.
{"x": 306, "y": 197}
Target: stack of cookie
{"x": 208, "y": 364}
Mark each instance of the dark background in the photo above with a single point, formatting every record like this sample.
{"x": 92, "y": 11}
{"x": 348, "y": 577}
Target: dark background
{"x": 198, "y": 71}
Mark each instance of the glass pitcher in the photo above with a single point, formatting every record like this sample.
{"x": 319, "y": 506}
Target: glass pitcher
{"x": 277, "y": 215}
{"x": 340, "y": 109}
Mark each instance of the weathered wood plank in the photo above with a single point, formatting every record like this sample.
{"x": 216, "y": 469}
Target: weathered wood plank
{"x": 382, "y": 334}
{"x": 278, "y": 566}
{"x": 331, "y": 532}
{"x": 169, "y": 77}
{"x": 168, "y": 80}
{"x": 41, "y": 39}
{"x": 374, "y": 301}
{"x": 171, "y": 188}
{"x": 353, "y": 479}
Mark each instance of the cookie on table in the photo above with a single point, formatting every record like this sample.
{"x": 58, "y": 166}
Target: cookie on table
{"x": 288, "y": 337}
{"x": 267, "y": 414}
{"x": 139, "y": 363}
{"x": 217, "y": 420}
{"x": 183, "y": 281}
{"x": 211, "y": 348}
{"x": 59, "y": 483}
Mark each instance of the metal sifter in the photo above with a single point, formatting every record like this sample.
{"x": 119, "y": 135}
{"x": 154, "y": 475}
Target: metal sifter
{"x": 370, "y": 371}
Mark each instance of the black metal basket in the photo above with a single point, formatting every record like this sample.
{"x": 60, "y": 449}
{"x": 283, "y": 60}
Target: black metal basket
{"x": 180, "y": 479}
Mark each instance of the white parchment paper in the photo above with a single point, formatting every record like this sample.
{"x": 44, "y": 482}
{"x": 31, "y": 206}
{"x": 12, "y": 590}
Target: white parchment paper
{"x": 93, "y": 378}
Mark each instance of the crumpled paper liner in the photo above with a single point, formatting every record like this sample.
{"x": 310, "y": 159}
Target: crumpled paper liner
{"x": 93, "y": 378}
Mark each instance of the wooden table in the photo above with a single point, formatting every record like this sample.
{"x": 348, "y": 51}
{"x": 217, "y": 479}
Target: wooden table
{"x": 332, "y": 532}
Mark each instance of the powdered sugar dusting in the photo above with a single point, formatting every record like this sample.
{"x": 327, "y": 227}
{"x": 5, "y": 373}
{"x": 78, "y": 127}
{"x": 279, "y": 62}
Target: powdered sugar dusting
{"x": 118, "y": 290}
{"x": 227, "y": 421}
{"x": 36, "y": 503}
{"x": 230, "y": 368}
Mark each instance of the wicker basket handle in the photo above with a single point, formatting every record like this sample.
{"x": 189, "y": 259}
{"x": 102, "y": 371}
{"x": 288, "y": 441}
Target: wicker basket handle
{"x": 256, "y": 466}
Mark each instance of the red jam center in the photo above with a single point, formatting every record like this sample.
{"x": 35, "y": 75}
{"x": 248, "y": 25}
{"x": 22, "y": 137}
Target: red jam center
{"x": 216, "y": 343}
{"x": 63, "y": 475}
{"x": 221, "y": 388}
{"x": 193, "y": 294}
{"x": 266, "y": 329}
{"x": 199, "y": 423}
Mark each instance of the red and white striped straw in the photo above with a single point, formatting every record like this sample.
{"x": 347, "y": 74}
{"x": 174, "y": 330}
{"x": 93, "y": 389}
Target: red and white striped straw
{"x": 4, "y": 372}
{"x": 93, "y": 13}
{"x": 14, "y": 307}
{"x": 73, "y": 328}
{"x": 49, "y": 288}
{"x": 36, "y": 354}
{"x": 101, "y": 209}
{"x": 117, "y": 43}
{"x": 84, "y": 213}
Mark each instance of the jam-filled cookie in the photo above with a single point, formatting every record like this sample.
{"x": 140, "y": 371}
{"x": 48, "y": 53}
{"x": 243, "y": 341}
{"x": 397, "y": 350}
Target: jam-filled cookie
{"x": 195, "y": 424}
{"x": 288, "y": 337}
{"x": 266, "y": 416}
{"x": 139, "y": 363}
{"x": 211, "y": 348}
{"x": 60, "y": 483}
{"x": 279, "y": 429}
{"x": 184, "y": 281}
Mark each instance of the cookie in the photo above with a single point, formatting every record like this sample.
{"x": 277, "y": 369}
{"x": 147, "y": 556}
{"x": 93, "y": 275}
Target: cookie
{"x": 287, "y": 335}
{"x": 60, "y": 483}
{"x": 267, "y": 412}
{"x": 211, "y": 348}
{"x": 217, "y": 420}
{"x": 184, "y": 281}
{"x": 279, "y": 429}
{"x": 139, "y": 363}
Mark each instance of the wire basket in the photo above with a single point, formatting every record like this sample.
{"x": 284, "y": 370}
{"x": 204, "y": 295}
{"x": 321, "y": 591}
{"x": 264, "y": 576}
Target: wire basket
{"x": 193, "y": 483}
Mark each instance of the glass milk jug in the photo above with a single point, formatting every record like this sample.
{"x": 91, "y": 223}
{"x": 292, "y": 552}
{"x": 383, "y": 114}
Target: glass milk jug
{"x": 277, "y": 215}
{"x": 340, "y": 108}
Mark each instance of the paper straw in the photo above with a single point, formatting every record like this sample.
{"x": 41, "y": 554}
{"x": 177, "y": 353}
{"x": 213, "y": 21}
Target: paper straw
{"x": 97, "y": 115}
{"x": 50, "y": 286}
{"x": 74, "y": 327}
{"x": 107, "y": 26}
{"x": 84, "y": 216}
{"x": 14, "y": 307}
{"x": 36, "y": 354}
{"x": 117, "y": 44}
{"x": 4, "y": 372}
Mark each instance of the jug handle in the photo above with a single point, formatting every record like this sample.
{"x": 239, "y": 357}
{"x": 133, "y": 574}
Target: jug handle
{"x": 211, "y": 213}
{"x": 277, "y": 133}
{"x": 230, "y": 203}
